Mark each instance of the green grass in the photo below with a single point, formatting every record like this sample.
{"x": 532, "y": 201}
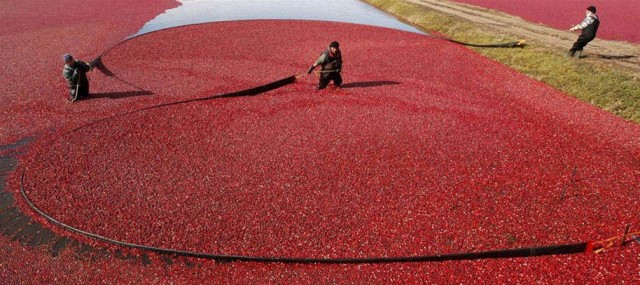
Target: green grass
{"x": 607, "y": 86}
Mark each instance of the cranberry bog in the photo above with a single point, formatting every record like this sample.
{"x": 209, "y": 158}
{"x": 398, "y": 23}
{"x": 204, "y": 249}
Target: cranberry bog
{"x": 618, "y": 17}
{"x": 427, "y": 149}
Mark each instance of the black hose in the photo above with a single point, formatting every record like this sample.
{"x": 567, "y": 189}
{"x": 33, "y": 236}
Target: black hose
{"x": 520, "y": 43}
{"x": 242, "y": 93}
{"x": 503, "y": 253}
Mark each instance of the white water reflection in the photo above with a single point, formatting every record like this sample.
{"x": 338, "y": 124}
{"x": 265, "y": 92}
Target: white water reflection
{"x": 204, "y": 11}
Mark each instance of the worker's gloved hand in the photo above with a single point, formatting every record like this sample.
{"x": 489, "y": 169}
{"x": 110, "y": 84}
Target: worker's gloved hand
{"x": 311, "y": 69}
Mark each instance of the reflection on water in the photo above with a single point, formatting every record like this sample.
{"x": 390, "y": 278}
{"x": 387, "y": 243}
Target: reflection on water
{"x": 204, "y": 11}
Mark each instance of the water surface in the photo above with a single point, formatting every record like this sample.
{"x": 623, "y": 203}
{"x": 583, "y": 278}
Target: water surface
{"x": 205, "y": 11}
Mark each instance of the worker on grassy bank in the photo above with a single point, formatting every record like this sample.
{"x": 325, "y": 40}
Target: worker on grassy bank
{"x": 589, "y": 27}
{"x": 74, "y": 71}
{"x": 330, "y": 62}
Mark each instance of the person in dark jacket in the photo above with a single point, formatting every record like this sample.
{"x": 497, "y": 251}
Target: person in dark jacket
{"x": 589, "y": 27}
{"x": 330, "y": 62}
{"x": 74, "y": 71}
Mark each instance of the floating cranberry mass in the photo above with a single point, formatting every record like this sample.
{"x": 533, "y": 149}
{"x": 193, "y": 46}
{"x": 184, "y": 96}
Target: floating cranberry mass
{"x": 427, "y": 148}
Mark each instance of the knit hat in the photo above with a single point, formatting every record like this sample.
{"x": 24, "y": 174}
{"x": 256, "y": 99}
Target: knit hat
{"x": 334, "y": 44}
{"x": 592, "y": 9}
{"x": 67, "y": 57}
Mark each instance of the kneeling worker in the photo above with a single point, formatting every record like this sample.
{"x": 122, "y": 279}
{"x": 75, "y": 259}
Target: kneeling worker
{"x": 331, "y": 63}
{"x": 74, "y": 71}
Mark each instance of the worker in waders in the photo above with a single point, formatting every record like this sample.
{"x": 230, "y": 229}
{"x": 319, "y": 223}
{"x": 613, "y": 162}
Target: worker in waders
{"x": 330, "y": 62}
{"x": 74, "y": 72}
{"x": 589, "y": 27}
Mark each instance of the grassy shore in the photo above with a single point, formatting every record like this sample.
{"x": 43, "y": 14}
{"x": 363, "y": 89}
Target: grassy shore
{"x": 605, "y": 85}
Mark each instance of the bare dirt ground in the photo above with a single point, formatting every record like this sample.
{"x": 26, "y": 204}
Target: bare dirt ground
{"x": 624, "y": 54}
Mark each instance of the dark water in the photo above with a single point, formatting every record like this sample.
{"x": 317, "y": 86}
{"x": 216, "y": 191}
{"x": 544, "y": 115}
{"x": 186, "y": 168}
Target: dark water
{"x": 204, "y": 11}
